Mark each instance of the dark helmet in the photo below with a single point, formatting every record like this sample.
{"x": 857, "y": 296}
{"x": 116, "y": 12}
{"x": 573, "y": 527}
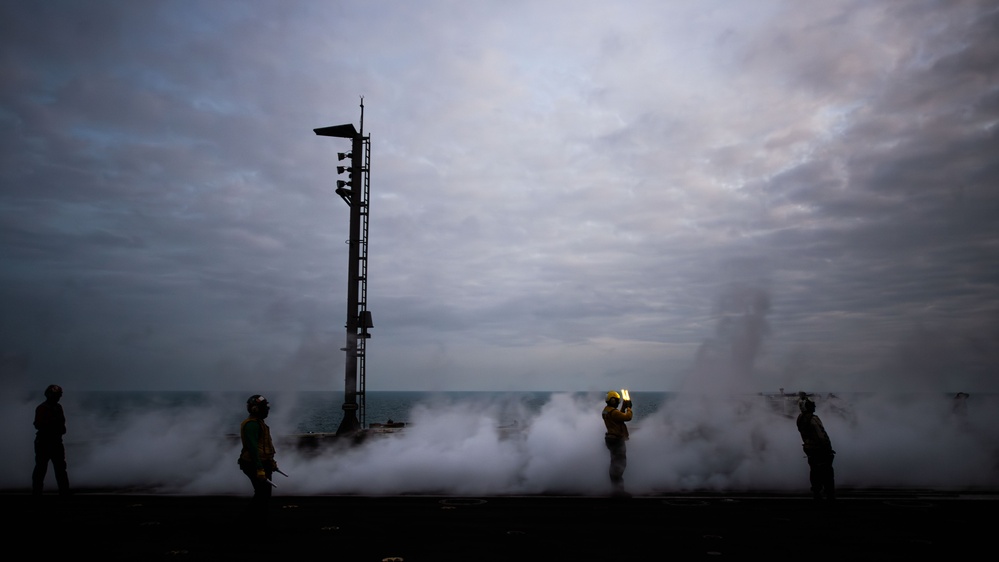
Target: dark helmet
{"x": 256, "y": 403}
{"x": 806, "y": 406}
{"x": 53, "y": 391}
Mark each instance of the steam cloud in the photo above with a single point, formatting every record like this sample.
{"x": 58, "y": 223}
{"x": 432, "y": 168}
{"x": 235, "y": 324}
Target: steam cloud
{"x": 715, "y": 435}
{"x": 693, "y": 441}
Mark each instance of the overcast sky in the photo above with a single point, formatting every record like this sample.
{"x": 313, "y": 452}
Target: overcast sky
{"x": 565, "y": 195}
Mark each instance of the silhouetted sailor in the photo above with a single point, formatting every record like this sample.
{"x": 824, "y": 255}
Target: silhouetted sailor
{"x": 616, "y": 436}
{"x": 50, "y": 421}
{"x": 256, "y": 459}
{"x": 818, "y": 449}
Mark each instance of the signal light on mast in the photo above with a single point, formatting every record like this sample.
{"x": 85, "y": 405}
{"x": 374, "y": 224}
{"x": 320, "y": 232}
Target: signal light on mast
{"x": 345, "y": 188}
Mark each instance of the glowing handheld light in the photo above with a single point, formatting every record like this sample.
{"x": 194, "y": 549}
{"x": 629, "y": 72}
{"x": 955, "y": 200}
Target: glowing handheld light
{"x": 624, "y": 394}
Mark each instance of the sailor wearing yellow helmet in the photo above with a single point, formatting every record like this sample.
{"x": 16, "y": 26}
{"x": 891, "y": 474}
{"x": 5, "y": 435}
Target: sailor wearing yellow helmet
{"x": 617, "y": 435}
{"x": 256, "y": 459}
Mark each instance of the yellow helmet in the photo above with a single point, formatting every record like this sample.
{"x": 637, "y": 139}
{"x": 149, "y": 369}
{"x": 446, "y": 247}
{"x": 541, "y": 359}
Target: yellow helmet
{"x": 611, "y": 395}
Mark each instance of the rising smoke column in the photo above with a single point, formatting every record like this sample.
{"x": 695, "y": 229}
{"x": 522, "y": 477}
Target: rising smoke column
{"x": 725, "y": 362}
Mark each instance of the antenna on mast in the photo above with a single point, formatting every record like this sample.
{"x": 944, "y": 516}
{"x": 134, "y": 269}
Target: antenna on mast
{"x": 362, "y": 116}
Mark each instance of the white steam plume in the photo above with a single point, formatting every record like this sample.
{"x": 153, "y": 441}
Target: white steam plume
{"x": 691, "y": 442}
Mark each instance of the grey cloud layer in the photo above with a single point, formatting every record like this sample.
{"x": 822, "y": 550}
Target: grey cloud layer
{"x": 565, "y": 197}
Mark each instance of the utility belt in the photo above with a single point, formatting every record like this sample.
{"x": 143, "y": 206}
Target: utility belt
{"x": 267, "y": 464}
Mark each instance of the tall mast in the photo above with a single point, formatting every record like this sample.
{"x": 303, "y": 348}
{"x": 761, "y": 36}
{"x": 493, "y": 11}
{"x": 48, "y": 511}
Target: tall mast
{"x": 356, "y": 193}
